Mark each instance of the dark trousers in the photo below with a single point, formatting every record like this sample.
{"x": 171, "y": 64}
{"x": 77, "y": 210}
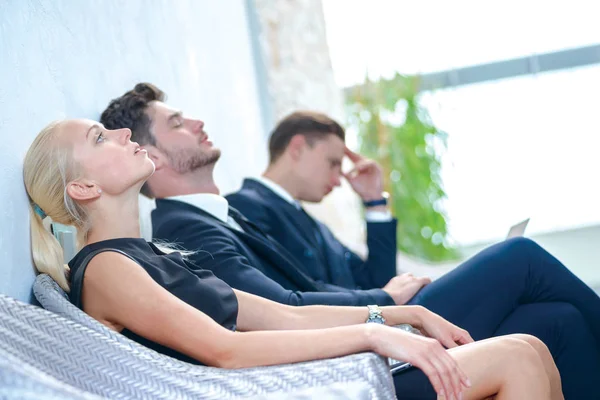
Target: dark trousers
{"x": 518, "y": 287}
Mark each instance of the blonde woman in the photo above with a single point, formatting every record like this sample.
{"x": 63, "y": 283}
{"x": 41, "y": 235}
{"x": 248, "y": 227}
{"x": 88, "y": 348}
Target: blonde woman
{"x": 78, "y": 173}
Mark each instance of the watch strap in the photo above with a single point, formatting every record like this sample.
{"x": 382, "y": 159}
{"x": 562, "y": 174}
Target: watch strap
{"x": 375, "y": 315}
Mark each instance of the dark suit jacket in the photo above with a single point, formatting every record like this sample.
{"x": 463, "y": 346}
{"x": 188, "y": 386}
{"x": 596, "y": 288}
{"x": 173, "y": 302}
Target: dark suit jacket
{"x": 327, "y": 258}
{"x": 249, "y": 260}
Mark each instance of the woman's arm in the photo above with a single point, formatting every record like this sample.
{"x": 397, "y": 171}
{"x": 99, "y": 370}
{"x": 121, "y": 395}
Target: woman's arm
{"x": 257, "y": 313}
{"x": 120, "y": 293}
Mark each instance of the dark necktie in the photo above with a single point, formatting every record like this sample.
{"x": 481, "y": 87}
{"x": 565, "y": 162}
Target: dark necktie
{"x": 248, "y": 226}
{"x": 313, "y": 227}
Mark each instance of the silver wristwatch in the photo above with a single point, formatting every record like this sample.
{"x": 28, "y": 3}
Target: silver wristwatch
{"x": 375, "y": 315}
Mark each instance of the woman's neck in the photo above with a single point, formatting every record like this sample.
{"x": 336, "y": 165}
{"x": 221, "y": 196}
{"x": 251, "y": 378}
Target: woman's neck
{"x": 114, "y": 218}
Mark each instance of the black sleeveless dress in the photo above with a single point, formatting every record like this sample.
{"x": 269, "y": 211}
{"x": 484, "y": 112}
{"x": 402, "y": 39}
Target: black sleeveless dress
{"x": 200, "y": 289}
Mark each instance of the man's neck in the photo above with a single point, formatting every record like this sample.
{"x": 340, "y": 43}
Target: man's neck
{"x": 283, "y": 178}
{"x": 169, "y": 183}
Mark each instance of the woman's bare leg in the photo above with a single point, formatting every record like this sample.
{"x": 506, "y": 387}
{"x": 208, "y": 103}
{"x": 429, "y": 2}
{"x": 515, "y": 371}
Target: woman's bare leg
{"x": 548, "y": 361}
{"x": 504, "y": 367}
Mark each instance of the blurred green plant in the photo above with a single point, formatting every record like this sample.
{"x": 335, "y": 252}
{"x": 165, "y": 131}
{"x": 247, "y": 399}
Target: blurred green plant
{"x": 395, "y": 129}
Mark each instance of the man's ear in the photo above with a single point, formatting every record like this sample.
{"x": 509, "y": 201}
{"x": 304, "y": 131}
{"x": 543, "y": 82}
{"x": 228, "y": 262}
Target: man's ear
{"x": 82, "y": 190}
{"x": 296, "y": 146}
{"x": 157, "y": 156}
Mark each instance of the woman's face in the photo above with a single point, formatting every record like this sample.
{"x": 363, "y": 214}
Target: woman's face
{"x": 106, "y": 158}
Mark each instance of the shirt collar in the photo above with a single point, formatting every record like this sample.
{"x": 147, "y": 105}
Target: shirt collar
{"x": 278, "y": 190}
{"x": 215, "y": 205}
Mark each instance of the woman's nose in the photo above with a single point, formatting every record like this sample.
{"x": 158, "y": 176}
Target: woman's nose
{"x": 125, "y": 134}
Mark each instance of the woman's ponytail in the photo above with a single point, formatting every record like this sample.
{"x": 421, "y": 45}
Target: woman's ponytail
{"x": 47, "y": 254}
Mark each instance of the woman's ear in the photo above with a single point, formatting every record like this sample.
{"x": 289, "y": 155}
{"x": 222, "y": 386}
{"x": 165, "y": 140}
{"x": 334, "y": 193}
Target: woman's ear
{"x": 83, "y": 191}
{"x": 157, "y": 157}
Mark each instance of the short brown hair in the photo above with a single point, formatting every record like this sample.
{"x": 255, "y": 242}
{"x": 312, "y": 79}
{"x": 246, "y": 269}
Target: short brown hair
{"x": 129, "y": 111}
{"x": 312, "y": 125}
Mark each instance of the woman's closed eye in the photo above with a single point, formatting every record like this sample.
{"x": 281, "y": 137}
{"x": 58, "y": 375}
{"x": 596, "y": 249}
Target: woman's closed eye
{"x": 100, "y": 138}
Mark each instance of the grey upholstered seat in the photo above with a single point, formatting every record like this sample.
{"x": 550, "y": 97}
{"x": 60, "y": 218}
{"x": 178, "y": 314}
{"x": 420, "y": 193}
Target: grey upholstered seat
{"x": 19, "y": 381}
{"x": 364, "y": 373}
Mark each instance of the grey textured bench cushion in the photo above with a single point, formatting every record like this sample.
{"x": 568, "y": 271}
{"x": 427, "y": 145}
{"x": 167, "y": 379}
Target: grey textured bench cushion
{"x": 359, "y": 369}
{"x": 19, "y": 381}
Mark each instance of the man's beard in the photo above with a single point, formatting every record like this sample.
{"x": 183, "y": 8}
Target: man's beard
{"x": 187, "y": 160}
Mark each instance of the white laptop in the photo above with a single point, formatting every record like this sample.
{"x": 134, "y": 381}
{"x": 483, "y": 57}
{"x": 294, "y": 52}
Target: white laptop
{"x": 517, "y": 229}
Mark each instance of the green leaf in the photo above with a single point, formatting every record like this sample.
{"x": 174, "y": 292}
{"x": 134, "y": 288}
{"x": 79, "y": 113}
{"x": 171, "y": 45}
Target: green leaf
{"x": 410, "y": 154}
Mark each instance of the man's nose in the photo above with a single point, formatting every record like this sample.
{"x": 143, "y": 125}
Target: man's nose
{"x": 197, "y": 125}
{"x": 336, "y": 181}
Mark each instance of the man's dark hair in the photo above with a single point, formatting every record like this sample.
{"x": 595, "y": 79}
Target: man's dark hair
{"x": 312, "y": 125}
{"x": 129, "y": 111}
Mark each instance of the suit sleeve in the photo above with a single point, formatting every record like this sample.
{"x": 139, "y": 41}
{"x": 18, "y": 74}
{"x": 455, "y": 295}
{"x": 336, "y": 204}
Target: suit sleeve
{"x": 380, "y": 265}
{"x": 217, "y": 252}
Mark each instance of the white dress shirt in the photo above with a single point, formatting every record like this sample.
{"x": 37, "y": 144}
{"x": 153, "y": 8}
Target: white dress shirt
{"x": 215, "y": 205}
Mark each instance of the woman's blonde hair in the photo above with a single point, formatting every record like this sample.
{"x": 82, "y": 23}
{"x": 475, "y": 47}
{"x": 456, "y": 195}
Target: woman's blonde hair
{"x": 47, "y": 168}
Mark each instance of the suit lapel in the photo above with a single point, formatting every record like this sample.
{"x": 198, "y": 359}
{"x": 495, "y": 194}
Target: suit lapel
{"x": 303, "y": 224}
{"x": 266, "y": 249}
{"x": 271, "y": 250}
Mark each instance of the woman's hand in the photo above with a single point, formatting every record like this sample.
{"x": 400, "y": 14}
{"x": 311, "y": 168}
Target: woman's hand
{"x": 427, "y": 354}
{"x": 446, "y": 333}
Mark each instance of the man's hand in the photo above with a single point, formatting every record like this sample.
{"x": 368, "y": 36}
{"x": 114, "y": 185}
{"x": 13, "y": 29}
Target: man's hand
{"x": 366, "y": 178}
{"x": 403, "y": 287}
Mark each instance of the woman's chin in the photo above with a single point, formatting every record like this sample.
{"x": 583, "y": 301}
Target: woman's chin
{"x": 152, "y": 168}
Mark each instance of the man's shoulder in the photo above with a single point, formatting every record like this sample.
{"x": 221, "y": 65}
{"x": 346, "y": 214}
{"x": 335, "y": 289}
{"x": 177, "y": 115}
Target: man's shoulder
{"x": 251, "y": 190}
{"x": 175, "y": 214}
{"x": 250, "y": 200}
{"x": 245, "y": 195}
{"x": 174, "y": 209}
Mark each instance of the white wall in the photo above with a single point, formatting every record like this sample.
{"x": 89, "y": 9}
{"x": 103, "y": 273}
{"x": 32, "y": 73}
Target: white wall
{"x": 65, "y": 58}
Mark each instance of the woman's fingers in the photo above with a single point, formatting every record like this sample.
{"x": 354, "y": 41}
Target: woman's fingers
{"x": 429, "y": 355}
{"x": 433, "y": 375}
{"x": 456, "y": 374}
{"x": 443, "y": 371}
{"x": 448, "y": 342}
{"x": 465, "y": 337}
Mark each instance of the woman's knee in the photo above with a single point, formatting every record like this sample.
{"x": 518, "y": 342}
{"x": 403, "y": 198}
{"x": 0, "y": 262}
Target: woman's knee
{"x": 539, "y": 346}
{"x": 523, "y": 350}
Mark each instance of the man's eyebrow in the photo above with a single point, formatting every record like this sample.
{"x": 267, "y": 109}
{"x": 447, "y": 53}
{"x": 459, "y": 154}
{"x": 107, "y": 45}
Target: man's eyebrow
{"x": 95, "y": 126}
{"x": 177, "y": 114}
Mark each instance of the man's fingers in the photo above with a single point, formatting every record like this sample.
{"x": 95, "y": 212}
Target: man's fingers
{"x": 354, "y": 157}
{"x": 425, "y": 280}
{"x": 353, "y": 173}
{"x": 358, "y": 169}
